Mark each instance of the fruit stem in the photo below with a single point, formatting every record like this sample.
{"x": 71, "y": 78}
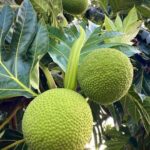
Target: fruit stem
{"x": 14, "y": 122}
{"x": 18, "y": 107}
{"x": 50, "y": 81}
{"x": 14, "y": 144}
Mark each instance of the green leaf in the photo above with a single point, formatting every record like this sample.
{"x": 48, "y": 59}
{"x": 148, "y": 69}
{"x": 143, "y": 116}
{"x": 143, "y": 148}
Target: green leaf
{"x": 17, "y": 61}
{"x": 60, "y": 44}
{"x": 6, "y": 20}
{"x": 62, "y": 41}
{"x": 109, "y": 25}
{"x": 9, "y": 137}
{"x": 117, "y": 142}
{"x": 119, "y": 23}
{"x": 103, "y": 4}
{"x": 121, "y": 5}
{"x": 34, "y": 77}
{"x": 131, "y": 109}
{"x": 142, "y": 81}
{"x": 125, "y": 48}
{"x": 131, "y": 18}
{"x": 70, "y": 81}
{"x": 131, "y": 32}
{"x": 41, "y": 6}
{"x": 38, "y": 49}
{"x": 146, "y": 104}
{"x": 144, "y": 9}
{"x": 130, "y": 27}
{"x": 48, "y": 9}
{"x": 136, "y": 109}
{"x": 96, "y": 41}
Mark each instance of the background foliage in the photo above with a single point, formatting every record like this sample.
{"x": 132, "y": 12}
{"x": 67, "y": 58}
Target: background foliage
{"x": 36, "y": 38}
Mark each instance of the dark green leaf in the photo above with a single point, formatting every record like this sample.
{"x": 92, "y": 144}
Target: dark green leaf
{"x": 60, "y": 49}
{"x": 117, "y": 139}
{"x": 48, "y": 9}
{"x": 124, "y": 6}
{"x": 61, "y": 42}
{"x": 38, "y": 49}
{"x": 8, "y": 137}
{"x": 136, "y": 109}
{"x": 18, "y": 58}
{"x": 118, "y": 5}
{"x": 146, "y": 104}
{"x": 131, "y": 109}
{"x": 126, "y": 49}
{"x": 6, "y": 19}
{"x": 142, "y": 81}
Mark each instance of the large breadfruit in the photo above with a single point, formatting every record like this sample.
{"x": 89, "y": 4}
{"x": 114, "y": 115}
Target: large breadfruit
{"x": 58, "y": 119}
{"x": 105, "y": 75}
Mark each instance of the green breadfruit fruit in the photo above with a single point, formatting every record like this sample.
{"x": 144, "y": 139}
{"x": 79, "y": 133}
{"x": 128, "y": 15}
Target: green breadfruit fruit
{"x": 105, "y": 75}
{"x": 58, "y": 119}
{"x": 75, "y": 7}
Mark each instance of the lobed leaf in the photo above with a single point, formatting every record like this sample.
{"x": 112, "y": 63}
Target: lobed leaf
{"x": 136, "y": 109}
{"x": 62, "y": 41}
{"x": 27, "y": 44}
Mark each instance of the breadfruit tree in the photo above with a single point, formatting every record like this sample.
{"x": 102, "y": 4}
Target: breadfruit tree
{"x": 74, "y": 75}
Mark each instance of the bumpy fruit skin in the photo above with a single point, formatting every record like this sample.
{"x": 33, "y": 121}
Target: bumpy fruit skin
{"x": 58, "y": 119}
{"x": 105, "y": 75}
{"x": 75, "y": 7}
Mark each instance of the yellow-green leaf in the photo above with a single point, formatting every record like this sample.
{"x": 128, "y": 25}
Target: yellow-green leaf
{"x": 109, "y": 25}
{"x": 118, "y": 23}
{"x": 72, "y": 67}
{"x": 131, "y": 18}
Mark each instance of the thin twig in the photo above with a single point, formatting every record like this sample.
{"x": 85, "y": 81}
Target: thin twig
{"x": 14, "y": 122}
{"x": 18, "y": 107}
{"x": 13, "y": 144}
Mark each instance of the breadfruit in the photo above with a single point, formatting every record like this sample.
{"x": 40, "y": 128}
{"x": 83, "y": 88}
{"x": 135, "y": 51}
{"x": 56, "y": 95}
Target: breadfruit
{"x": 75, "y": 7}
{"x": 58, "y": 119}
{"x": 105, "y": 75}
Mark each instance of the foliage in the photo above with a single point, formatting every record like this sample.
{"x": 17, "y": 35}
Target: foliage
{"x": 48, "y": 9}
{"x": 95, "y": 38}
{"x": 112, "y": 7}
{"x": 40, "y": 49}
{"x": 129, "y": 26}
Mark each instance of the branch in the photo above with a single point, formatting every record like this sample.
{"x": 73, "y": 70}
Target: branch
{"x": 13, "y": 144}
{"x": 18, "y": 107}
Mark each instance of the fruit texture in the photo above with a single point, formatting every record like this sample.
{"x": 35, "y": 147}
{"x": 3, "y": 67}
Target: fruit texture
{"x": 58, "y": 119}
{"x": 105, "y": 75}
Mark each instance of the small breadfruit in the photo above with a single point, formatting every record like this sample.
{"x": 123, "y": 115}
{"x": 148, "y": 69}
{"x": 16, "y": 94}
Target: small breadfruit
{"x": 58, "y": 119}
{"x": 105, "y": 75}
{"x": 75, "y": 7}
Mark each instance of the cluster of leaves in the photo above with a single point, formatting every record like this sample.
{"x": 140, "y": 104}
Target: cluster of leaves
{"x": 37, "y": 53}
{"x": 112, "y": 7}
{"x": 124, "y": 6}
{"x": 132, "y": 112}
{"x": 129, "y": 26}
